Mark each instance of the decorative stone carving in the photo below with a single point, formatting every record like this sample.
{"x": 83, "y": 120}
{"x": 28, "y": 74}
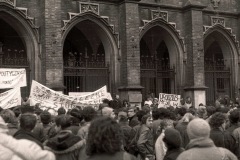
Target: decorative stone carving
{"x": 220, "y": 21}
{"x": 22, "y": 12}
{"x": 89, "y": 7}
{"x": 11, "y": 2}
{"x": 215, "y": 3}
{"x": 160, "y": 14}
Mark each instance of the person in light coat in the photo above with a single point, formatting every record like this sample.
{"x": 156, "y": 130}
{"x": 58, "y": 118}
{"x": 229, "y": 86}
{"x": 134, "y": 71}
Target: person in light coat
{"x": 14, "y": 149}
{"x": 201, "y": 147}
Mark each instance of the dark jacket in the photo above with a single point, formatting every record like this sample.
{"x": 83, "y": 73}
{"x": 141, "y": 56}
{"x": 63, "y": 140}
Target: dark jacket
{"x": 182, "y": 128}
{"x": 156, "y": 129}
{"x": 172, "y": 154}
{"x": 126, "y": 129}
{"x": 145, "y": 142}
{"x": 22, "y": 134}
{"x": 66, "y": 146}
{"x": 117, "y": 156}
{"x": 223, "y": 139}
{"x": 133, "y": 121}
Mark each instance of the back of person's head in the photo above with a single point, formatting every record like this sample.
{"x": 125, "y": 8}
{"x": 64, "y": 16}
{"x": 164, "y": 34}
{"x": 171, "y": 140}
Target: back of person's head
{"x": 234, "y": 116}
{"x": 9, "y": 116}
{"x": 58, "y": 120}
{"x": 166, "y": 123}
{"x": 172, "y": 138}
{"x": 26, "y": 109}
{"x": 222, "y": 109}
{"x": 122, "y": 117}
{"x": 193, "y": 111}
{"x": 210, "y": 110}
{"x": 88, "y": 113}
{"x": 45, "y": 117}
{"x": 217, "y": 120}
{"x": 198, "y": 128}
{"x": 17, "y": 111}
{"x": 65, "y": 121}
{"x": 107, "y": 111}
{"x": 77, "y": 113}
{"x": 102, "y": 105}
{"x": 181, "y": 111}
{"x": 61, "y": 110}
{"x": 28, "y": 121}
{"x": 106, "y": 101}
{"x": 140, "y": 114}
{"x": 144, "y": 118}
{"x": 201, "y": 111}
{"x": 155, "y": 114}
{"x": 104, "y": 136}
{"x": 187, "y": 117}
{"x": 163, "y": 112}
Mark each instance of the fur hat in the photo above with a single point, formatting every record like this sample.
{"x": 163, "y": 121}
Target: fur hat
{"x": 172, "y": 138}
{"x": 198, "y": 128}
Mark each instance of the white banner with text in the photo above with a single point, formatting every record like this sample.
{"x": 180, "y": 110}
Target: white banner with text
{"x": 166, "y": 100}
{"x": 51, "y": 99}
{"x": 10, "y": 98}
{"x": 11, "y": 78}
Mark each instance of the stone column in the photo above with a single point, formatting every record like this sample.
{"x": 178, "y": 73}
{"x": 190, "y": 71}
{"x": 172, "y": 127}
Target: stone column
{"x": 195, "y": 78}
{"x": 130, "y": 49}
{"x": 52, "y": 47}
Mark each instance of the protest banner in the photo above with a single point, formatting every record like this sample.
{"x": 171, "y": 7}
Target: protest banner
{"x": 10, "y": 98}
{"x": 77, "y": 94}
{"x": 11, "y": 78}
{"x": 166, "y": 100}
{"x": 51, "y": 99}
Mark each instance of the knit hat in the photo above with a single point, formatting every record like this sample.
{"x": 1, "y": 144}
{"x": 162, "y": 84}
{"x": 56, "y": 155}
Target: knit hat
{"x": 198, "y": 128}
{"x": 172, "y": 138}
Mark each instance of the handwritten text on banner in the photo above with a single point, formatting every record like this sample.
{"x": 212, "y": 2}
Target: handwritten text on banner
{"x": 10, "y": 98}
{"x": 166, "y": 100}
{"x": 11, "y": 78}
{"x": 52, "y": 99}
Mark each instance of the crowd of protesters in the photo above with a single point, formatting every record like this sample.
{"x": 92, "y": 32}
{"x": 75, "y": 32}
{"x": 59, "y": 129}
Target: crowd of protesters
{"x": 119, "y": 131}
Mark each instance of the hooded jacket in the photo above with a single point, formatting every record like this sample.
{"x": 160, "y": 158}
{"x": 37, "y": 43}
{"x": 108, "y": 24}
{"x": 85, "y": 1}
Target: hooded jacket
{"x": 203, "y": 149}
{"x": 66, "y": 146}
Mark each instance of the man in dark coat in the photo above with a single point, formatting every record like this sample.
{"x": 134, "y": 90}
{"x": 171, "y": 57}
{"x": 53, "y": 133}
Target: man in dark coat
{"x": 27, "y": 123}
{"x": 133, "y": 119}
{"x": 220, "y": 137}
{"x": 173, "y": 141}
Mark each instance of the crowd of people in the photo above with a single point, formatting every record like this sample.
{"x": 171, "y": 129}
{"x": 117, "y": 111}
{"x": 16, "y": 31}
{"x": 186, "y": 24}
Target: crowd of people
{"x": 120, "y": 131}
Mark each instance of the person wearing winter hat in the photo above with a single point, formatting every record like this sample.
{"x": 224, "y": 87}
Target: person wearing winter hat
{"x": 201, "y": 147}
{"x": 173, "y": 141}
{"x": 11, "y": 148}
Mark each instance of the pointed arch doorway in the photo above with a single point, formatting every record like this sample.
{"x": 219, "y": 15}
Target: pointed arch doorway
{"x": 14, "y": 53}
{"x": 220, "y": 64}
{"x": 89, "y": 55}
{"x": 217, "y": 74}
{"x": 159, "y": 56}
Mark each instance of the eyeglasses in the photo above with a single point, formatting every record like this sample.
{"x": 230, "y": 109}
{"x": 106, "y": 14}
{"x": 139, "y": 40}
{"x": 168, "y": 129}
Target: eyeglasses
{"x": 131, "y": 111}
